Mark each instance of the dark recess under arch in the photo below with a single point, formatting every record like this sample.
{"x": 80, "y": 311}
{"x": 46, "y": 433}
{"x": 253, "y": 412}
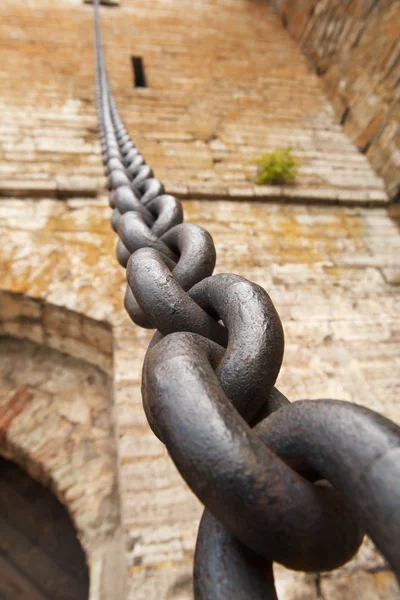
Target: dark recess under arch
{"x": 40, "y": 555}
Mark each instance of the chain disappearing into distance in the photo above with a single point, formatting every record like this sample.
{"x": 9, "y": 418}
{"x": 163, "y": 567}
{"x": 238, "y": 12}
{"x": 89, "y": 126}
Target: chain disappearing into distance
{"x": 299, "y": 484}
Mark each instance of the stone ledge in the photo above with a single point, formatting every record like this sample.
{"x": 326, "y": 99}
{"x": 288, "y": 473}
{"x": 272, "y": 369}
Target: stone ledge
{"x": 70, "y": 187}
{"x": 61, "y": 188}
{"x": 282, "y": 194}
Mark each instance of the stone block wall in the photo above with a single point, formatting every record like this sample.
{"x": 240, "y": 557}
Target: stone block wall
{"x": 333, "y": 275}
{"x": 226, "y": 84}
{"x": 354, "y": 46}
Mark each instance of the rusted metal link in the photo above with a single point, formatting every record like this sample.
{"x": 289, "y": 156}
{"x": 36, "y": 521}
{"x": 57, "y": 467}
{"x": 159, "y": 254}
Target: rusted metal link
{"x": 135, "y": 235}
{"x": 357, "y": 450}
{"x": 164, "y": 301}
{"x": 253, "y": 358}
{"x": 252, "y": 492}
{"x": 196, "y": 252}
{"x": 225, "y": 569}
{"x": 255, "y": 461}
{"x": 124, "y": 200}
{"x": 164, "y": 211}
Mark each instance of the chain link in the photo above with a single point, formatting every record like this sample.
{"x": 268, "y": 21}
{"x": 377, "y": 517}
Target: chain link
{"x": 299, "y": 483}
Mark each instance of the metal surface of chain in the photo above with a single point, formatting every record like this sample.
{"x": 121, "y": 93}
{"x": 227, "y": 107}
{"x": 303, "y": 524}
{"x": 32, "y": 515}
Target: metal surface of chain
{"x": 299, "y": 483}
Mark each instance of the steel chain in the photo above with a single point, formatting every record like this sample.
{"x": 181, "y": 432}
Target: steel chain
{"x": 294, "y": 483}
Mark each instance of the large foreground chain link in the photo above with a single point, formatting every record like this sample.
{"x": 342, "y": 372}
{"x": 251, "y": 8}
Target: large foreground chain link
{"x": 294, "y": 483}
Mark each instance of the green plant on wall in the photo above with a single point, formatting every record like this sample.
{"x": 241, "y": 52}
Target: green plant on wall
{"x": 276, "y": 168}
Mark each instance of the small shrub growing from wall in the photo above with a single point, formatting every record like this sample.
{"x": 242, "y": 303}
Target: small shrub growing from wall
{"x": 276, "y": 168}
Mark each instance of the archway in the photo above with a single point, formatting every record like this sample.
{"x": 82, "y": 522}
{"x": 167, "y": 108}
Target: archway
{"x": 40, "y": 555}
{"x": 56, "y": 424}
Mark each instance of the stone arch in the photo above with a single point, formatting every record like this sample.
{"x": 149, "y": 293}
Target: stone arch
{"x": 57, "y": 327}
{"x": 41, "y": 556}
{"x": 56, "y": 422}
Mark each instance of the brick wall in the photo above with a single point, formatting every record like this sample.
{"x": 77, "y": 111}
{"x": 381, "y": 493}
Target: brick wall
{"x": 355, "y": 48}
